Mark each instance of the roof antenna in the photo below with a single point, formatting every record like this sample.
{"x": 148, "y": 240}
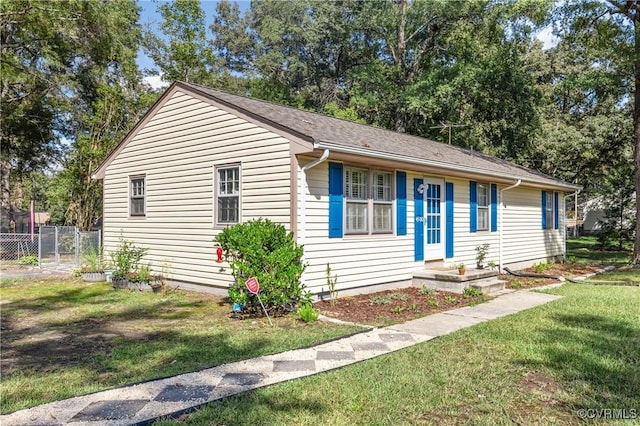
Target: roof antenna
{"x": 444, "y": 126}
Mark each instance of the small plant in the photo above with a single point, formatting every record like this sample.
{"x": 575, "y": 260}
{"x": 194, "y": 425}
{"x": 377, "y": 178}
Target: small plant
{"x": 92, "y": 261}
{"x": 380, "y": 300}
{"x": 461, "y": 269}
{"x": 433, "y": 302}
{"x": 450, "y": 299}
{"x": 331, "y": 283}
{"x": 307, "y": 313}
{"x": 542, "y": 267}
{"x": 414, "y": 306}
{"x": 126, "y": 258}
{"x": 469, "y": 292}
{"x": 399, "y": 296}
{"x": 516, "y": 284}
{"x": 142, "y": 275}
{"x": 28, "y": 260}
{"x": 481, "y": 254}
{"x": 425, "y": 291}
{"x": 398, "y": 310}
{"x": 492, "y": 265}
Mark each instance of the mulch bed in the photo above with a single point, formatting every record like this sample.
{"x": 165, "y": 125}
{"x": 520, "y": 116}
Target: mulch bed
{"x": 559, "y": 269}
{"x": 393, "y": 306}
{"x": 404, "y": 304}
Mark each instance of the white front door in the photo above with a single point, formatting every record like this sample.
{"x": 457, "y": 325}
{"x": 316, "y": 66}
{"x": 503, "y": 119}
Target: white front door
{"x": 433, "y": 219}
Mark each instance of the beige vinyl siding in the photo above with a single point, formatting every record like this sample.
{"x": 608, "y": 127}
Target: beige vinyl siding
{"x": 357, "y": 261}
{"x": 523, "y": 238}
{"x": 176, "y": 151}
{"x": 375, "y": 260}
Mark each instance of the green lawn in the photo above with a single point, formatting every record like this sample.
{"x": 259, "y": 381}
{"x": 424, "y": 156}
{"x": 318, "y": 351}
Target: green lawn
{"x": 539, "y": 366}
{"x": 586, "y": 250}
{"x": 66, "y": 338}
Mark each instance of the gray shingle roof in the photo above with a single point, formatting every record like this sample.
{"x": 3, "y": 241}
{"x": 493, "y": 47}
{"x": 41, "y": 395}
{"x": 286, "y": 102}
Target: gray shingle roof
{"x": 373, "y": 141}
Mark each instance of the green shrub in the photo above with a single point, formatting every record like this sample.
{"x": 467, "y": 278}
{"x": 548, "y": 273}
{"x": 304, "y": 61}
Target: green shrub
{"x": 424, "y": 290}
{"x": 307, "y": 313}
{"x": 28, "y": 260}
{"x": 265, "y": 250}
{"x": 469, "y": 292}
{"x": 126, "y": 258}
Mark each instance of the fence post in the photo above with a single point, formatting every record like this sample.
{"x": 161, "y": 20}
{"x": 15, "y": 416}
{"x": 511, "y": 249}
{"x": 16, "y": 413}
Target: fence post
{"x": 40, "y": 247}
{"x": 77, "y": 245}
{"x": 56, "y": 253}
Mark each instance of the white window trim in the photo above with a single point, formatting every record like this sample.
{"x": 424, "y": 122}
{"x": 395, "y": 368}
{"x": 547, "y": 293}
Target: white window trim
{"x": 370, "y": 202}
{"x": 551, "y": 225}
{"x": 216, "y": 187}
{"x": 486, "y": 208}
{"x": 143, "y": 197}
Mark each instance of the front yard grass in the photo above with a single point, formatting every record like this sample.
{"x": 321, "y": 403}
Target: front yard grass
{"x": 585, "y": 249}
{"x": 540, "y": 366}
{"x": 62, "y": 338}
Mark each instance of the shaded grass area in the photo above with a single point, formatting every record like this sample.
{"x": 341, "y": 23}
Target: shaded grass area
{"x": 539, "y": 366}
{"x": 66, "y": 338}
{"x": 586, "y": 249}
{"x": 623, "y": 276}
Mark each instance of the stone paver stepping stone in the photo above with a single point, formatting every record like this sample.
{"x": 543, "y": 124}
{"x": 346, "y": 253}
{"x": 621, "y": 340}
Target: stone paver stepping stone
{"x": 240, "y": 379}
{"x": 175, "y": 393}
{"x": 110, "y": 410}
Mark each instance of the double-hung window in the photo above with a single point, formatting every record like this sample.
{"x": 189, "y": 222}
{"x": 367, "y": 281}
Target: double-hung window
{"x": 483, "y": 207}
{"x": 137, "y": 196}
{"x": 550, "y": 218}
{"x": 369, "y": 201}
{"x": 357, "y": 217}
{"x": 227, "y": 194}
{"x": 382, "y": 202}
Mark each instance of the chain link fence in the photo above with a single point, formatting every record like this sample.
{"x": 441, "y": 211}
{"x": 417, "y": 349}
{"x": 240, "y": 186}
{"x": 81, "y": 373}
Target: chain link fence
{"x": 18, "y": 249}
{"x": 53, "y": 246}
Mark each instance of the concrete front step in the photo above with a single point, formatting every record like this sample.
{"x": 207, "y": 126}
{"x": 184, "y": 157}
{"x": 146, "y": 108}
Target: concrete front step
{"x": 492, "y": 287}
{"x": 483, "y": 279}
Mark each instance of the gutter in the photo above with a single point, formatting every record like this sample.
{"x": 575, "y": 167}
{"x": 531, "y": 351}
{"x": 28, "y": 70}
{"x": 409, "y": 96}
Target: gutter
{"x": 303, "y": 201}
{"x": 500, "y": 224}
{"x": 430, "y": 163}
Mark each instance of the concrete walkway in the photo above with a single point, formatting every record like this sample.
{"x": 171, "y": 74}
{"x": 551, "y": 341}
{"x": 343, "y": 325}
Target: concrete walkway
{"x": 142, "y": 403}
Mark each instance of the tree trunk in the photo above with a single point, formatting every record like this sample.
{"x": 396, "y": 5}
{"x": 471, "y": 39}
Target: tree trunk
{"x": 636, "y": 136}
{"x": 5, "y": 172}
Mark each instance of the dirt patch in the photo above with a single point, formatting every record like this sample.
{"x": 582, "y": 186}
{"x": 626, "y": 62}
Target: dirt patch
{"x": 393, "y": 306}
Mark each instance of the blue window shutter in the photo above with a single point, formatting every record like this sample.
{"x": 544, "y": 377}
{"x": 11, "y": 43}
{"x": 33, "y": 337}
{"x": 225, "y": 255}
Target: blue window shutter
{"x": 336, "y": 195}
{"x": 473, "y": 206}
{"x": 449, "y": 219}
{"x": 401, "y": 203}
{"x": 418, "y": 236}
{"x": 494, "y": 207}
{"x": 544, "y": 209}
{"x": 556, "y": 213}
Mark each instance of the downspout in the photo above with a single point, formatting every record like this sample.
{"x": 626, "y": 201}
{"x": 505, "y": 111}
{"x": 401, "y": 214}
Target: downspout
{"x": 575, "y": 227}
{"x": 303, "y": 201}
{"x": 500, "y": 221}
